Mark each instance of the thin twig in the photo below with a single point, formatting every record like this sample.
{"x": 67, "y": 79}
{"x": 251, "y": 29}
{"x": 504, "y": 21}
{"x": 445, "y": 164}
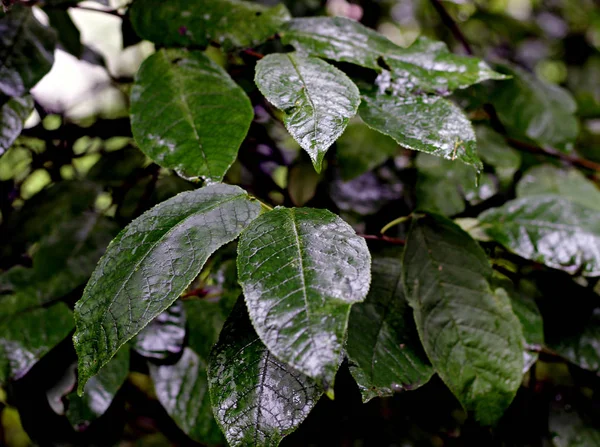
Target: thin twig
{"x": 253, "y": 53}
{"x": 452, "y": 26}
{"x": 384, "y": 238}
{"x": 555, "y": 153}
{"x": 112, "y": 12}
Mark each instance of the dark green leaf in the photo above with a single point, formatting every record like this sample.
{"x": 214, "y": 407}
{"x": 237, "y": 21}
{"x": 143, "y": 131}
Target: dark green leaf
{"x": 301, "y": 270}
{"x": 229, "y": 23}
{"x": 115, "y": 167}
{"x": 182, "y": 388}
{"x": 581, "y": 347}
{"x": 317, "y": 98}
{"x": 164, "y": 335}
{"x": 13, "y": 113}
{"x": 26, "y": 51}
{"x": 68, "y": 34}
{"x": 66, "y": 258}
{"x": 495, "y": 152}
{"x": 149, "y": 264}
{"x": 384, "y": 349}
{"x": 361, "y": 149}
{"x": 27, "y": 336}
{"x": 424, "y": 123}
{"x": 533, "y": 109}
{"x": 469, "y": 332}
{"x": 443, "y": 186}
{"x": 568, "y": 183}
{"x": 549, "y": 229}
{"x": 426, "y": 65}
{"x": 257, "y": 399}
{"x": 188, "y": 114}
{"x": 99, "y": 391}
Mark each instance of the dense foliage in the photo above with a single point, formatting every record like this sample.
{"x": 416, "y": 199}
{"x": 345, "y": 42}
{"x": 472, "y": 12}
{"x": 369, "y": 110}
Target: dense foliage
{"x": 292, "y": 222}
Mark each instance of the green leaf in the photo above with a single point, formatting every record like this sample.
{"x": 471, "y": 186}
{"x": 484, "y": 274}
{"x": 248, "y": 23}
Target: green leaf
{"x": 581, "y": 347}
{"x": 495, "y": 152}
{"x": 99, "y": 391}
{"x": 164, "y": 336}
{"x": 568, "y": 427}
{"x": 443, "y": 186}
{"x": 149, "y": 264}
{"x": 66, "y": 258}
{"x": 182, "y": 388}
{"x": 13, "y": 113}
{"x": 317, "y": 98}
{"x": 426, "y": 65}
{"x": 549, "y": 229}
{"x": 423, "y": 123}
{"x": 68, "y": 34}
{"x": 188, "y": 114}
{"x": 533, "y": 109}
{"x": 469, "y": 332}
{"x": 568, "y": 183}
{"x": 229, "y": 23}
{"x": 257, "y": 399}
{"x": 384, "y": 349}
{"x": 361, "y": 149}
{"x": 26, "y": 51}
{"x": 27, "y": 336}
{"x": 301, "y": 269}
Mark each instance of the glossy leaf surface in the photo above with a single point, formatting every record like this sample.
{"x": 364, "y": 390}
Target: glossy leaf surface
{"x": 230, "y": 23}
{"x": 27, "y": 336}
{"x": 182, "y": 388}
{"x": 257, "y": 399}
{"x": 188, "y": 114}
{"x": 469, "y": 332}
{"x": 317, "y": 98}
{"x": 383, "y": 347}
{"x": 26, "y": 50}
{"x": 426, "y": 65}
{"x": 533, "y": 109}
{"x": 164, "y": 336}
{"x": 99, "y": 391}
{"x": 549, "y": 229}
{"x": 424, "y": 123}
{"x": 301, "y": 269}
{"x": 149, "y": 264}
{"x": 13, "y": 113}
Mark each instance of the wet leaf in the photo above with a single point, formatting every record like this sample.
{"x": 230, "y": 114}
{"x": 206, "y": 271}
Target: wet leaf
{"x": 426, "y": 65}
{"x": 549, "y": 229}
{"x": 99, "y": 392}
{"x": 533, "y": 109}
{"x": 384, "y": 349}
{"x": 469, "y": 332}
{"x": 194, "y": 23}
{"x": 568, "y": 183}
{"x": 26, "y": 50}
{"x": 13, "y": 113}
{"x": 149, "y": 264}
{"x": 164, "y": 336}
{"x": 182, "y": 388}
{"x": 569, "y": 428}
{"x": 495, "y": 152}
{"x": 257, "y": 399}
{"x": 423, "y": 123}
{"x": 27, "y": 336}
{"x": 301, "y": 269}
{"x": 188, "y": 114}
{"x": 361, "y": 149}
{"x": 318, "y": 99}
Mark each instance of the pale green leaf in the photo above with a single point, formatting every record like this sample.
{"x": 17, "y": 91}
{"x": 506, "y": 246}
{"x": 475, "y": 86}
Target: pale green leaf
{"x": 188, "y": 114}
{"x": 301, "y": 269}
{"x": 317, "y": 98}
{"x": 149, "y": 264}
{"x": 469, "y": 332}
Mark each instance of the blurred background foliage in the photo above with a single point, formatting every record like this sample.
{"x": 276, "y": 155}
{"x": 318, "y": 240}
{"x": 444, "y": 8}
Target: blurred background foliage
{"x": 75, "y": 166}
